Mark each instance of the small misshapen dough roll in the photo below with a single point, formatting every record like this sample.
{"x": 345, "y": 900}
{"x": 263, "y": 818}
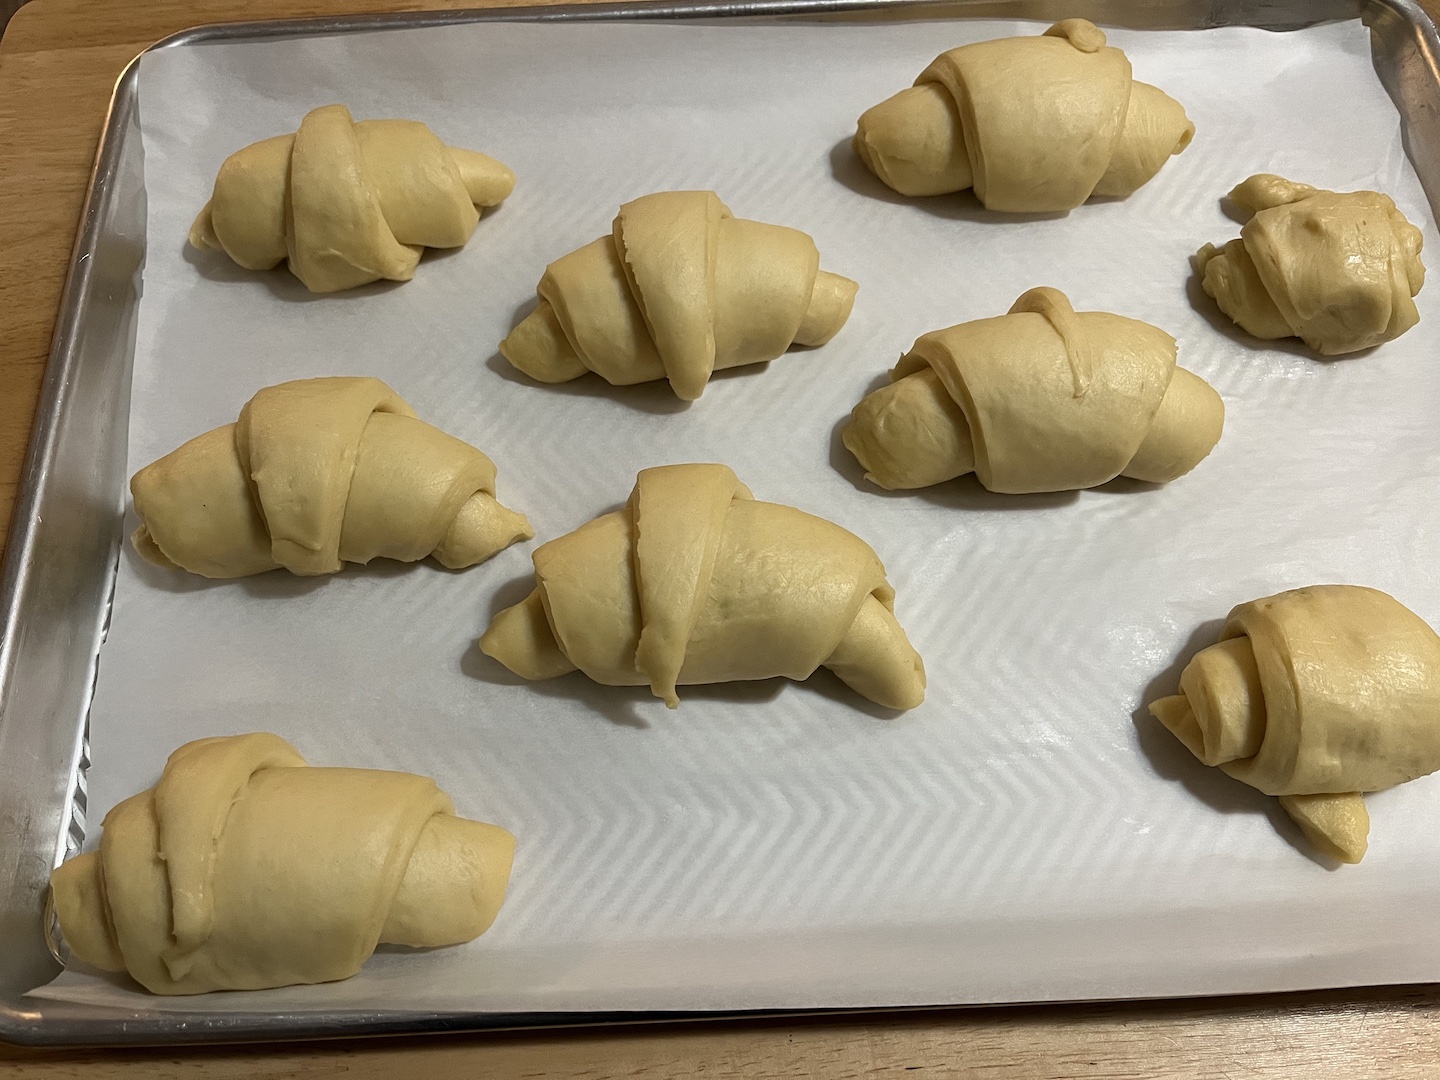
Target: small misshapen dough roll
{"x": 1041, "y": 399}
{"x": 681, "y": 288}
{"x": 244, "y": 868}
{"x": 1033, "y": 124}
{"x": 348, "y": 203}
{"x": 1336, "y": 269}
{"x": 695, "y": 581}
{"x": 317, "y": 473}
{"x": 1316, "y": 695}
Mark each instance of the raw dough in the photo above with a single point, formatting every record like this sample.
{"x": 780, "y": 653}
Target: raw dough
{"x": 697, "y": 582}
{"x": 1316, "y": 695}
{"x": 1041, "y": 399}
{"x": 1336, "y": 269}
{"x": 348, "y": 203}
{"x": 1033, "y": 124}
{"x": 317, "y": 473}
{"x": 680, "y": 289}
{"x": 245, "y": 869}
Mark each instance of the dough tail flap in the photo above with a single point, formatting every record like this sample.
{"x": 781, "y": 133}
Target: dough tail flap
{"x": 876, "y": 659}
{"x": 453, "y": 886}
{"x": 482, "y": 528}
{"x": 78, "y": 888}
{"x": 831, "y": 299}
{"x": 539, "y": 348}
{"x": 1186, "y": 428}
{"x": 915, "y": 142}
{"x": 1338, "y": 825}
{"x": 520, "y": 637}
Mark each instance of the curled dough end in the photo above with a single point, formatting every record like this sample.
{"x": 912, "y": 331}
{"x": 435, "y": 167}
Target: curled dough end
{"x": 1229, "y": 277}
{"x": 877, "y": 661}
{"x": 78, "y": 887}
{"x": 482, "y": 528}
{"x": 520, "y": 638}
{"x": 1338, "y": 825}
{"x": 454, "y": 884}
{"x": 539, "y": 348}
{"x": 910, "y": 434}
{"x": 1189, "y": 423}
{"x": 914, "y": 142}
{"x": 1156, "y": 129}
{"x": 832, "y": 298}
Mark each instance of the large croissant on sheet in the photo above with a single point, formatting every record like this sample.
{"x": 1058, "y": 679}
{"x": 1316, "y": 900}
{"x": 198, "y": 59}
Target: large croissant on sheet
{"x": 1042, "y": 399}
{"x": 1336, "y": 269}
{"x": 679, "y": 289}
{"x": 1316, "y": 695}
{"x": 1033, "y": 124}
{"x": 244, "y": 868}
{"x": 317, "y": 473}
{"x": 696, "y": 581}
{"x": 348, "y": 203}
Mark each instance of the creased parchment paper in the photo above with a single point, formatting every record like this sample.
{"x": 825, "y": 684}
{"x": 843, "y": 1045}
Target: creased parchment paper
{"x": 1029, "y": 833}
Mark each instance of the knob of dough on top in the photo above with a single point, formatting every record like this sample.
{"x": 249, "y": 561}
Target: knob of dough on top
{"x": 317, "y": 473}
{"x": 679, "y": 289}
{"x": 348, "y": 203}
{"x": 244, "y": 868}
{"x": 1044, "y": 398}
{"x": 1316, "y": 695}
{"x": 696, "y": 581}
{"x": 1033, "y": 124}
{"x": 1336, "y": 269}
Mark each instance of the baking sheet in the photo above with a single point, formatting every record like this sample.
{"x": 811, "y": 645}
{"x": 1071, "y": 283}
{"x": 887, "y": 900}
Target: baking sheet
{"x": 1027, "y": 834}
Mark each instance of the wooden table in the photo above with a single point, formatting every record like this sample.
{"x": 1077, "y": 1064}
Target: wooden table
{"x": 58, "y": 62}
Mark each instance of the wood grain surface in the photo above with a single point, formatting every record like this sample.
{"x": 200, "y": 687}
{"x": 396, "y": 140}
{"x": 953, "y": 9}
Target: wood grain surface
{"x": 58, "y": 62}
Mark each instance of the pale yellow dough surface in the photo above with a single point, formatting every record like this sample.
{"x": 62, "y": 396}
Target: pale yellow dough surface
{"x": 1316, "y": 696}
{"x": 695, "y": 581}
{"x": 244, "y": 868}
{"x": 1033, "y": 124}
{"x": 1336, "y": 269}
{"x": 348, "y": 203}
{"x": 317, "y": 473}
{"x": 679, "y": 289}
{"x": 1041, "y": 399}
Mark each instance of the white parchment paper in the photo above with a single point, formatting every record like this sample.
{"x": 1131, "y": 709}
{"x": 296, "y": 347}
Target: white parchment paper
{"x": 1029, "y": 833}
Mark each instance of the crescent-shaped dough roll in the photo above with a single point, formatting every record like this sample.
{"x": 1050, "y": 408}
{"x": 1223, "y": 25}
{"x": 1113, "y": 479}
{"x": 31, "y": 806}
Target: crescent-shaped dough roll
{"x": 317, "y": 473}
{"x": 1042, "y": 399}
{"x": 1316, "y": 695}
{"x": 348, "y": 203}
{"x": 678, "y": 290}
{"x": 244, "y": 868}
{"x": 1033, "y": 124}
{"x": 697, "y": 582}
{"x": 1336, "y": 269}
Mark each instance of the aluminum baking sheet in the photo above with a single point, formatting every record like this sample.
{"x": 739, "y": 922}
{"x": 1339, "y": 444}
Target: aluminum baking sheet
{"x": 1027, "y": 834}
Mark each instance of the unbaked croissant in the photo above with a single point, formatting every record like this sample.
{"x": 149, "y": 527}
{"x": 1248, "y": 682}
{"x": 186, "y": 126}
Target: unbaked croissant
{"x": 1316, "y": 695}
{"x": 347, "y": 203}
{"x": 679, "y": 289}
{"x": 1335, "y": 269}
{"x": 316, "y": 473}
{"x": 1042, "y": 399}
{"x": 695, "y": 581}
{"x": 1033, "y": 124}
{"x": 244, "y": 868}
